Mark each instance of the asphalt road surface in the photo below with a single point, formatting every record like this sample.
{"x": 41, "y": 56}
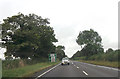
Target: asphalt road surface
{"x": 78, "y": 69}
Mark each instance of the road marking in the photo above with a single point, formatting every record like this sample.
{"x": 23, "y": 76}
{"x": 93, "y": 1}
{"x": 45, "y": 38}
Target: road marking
{"x": 72, "y": 62}
{"x": 85, "y": 73}
{"x": 74, "y": 65}
{"x": 103, "y": 67}
{"x": 77, "y": 67}
{"x": 47, "y": 71}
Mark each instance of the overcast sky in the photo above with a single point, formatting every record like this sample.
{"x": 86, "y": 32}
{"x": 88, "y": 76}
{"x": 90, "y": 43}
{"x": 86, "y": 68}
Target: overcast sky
{"x": 69, "y": 17}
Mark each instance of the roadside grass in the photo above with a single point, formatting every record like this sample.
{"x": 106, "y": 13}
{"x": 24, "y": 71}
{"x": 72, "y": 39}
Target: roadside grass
{"x": 102, "y": 63}
{"x": 27, "y": 70}
{"x": 0, "y": 68}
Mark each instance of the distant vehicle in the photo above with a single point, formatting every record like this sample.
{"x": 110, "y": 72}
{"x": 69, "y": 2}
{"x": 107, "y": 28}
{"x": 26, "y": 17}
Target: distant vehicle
{"x": 65, "y": 61}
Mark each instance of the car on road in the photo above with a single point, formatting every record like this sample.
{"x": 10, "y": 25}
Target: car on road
{"x": 65, "y": 61}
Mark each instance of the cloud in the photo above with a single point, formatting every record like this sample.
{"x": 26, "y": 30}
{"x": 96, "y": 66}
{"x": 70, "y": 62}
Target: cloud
{"x": 2, "y": 50}
{"x": 69, "y": 17}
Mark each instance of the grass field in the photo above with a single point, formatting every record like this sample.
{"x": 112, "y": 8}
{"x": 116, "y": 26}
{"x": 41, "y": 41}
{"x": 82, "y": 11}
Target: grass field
{"x": 26, "y": 70}
{"x": 102, "y": 63}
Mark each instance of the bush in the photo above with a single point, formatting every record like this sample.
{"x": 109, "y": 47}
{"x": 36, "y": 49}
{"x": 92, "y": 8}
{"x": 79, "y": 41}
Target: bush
{"x": 111, "y": 56}
{"x": 10, "y": 64}
{"x": 81, "y": 58}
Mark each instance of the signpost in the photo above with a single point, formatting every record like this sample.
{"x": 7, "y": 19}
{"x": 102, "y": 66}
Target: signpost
{"x": 52, "y": 57}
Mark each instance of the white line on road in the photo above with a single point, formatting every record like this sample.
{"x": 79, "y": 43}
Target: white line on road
{"x": 77, "y": 67}
{"x": 47, "y": 71}
{"x": 85, "y": 73}
{"x": 102, "y": 66}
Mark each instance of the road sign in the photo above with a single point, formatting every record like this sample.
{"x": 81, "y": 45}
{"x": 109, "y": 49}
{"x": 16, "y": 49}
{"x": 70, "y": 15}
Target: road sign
{"x": 52, "y": 57}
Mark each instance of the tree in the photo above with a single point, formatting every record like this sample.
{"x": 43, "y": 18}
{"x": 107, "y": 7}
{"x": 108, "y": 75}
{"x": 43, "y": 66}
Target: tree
{"x": 91, "y": 42}
{"x": 88, "y": 37}
{"x": 77, "y": 54}
{"x": 60, "y": 47}
{"x": 90, "y": 49}
{"x": 27, "y": 36}
{"x": 60, "y": 52}
{"x": 109, "y": 50}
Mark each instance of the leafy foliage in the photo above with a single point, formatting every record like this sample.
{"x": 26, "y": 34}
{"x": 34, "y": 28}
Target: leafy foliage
{"x": 28, "y": 36}
{"x": 91, "y": 42}
{"x": 109, "y": 50}
{"x": 89, "y": 49}
{"x": 60, "y": 52}
{"x": 109, "y": 56}
{"x": 88, "y": 37}
{"x": 77, "y": 54}
{"x": 16, "y": 63}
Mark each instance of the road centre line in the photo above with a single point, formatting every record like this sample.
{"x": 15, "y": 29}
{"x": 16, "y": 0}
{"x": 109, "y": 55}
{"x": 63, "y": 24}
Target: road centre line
{"x": 85, "y": 73}
{"x": 77, "y": 67}
{"x": 47, "y": 71}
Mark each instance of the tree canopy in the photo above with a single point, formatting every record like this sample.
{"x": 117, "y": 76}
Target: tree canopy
{"x": 88, "y": 37}
{"x": 91, "y": 41}
{"x": 109, "y": 50}
{"x": 27, "y": 36}
{"x": 60, "y": 52}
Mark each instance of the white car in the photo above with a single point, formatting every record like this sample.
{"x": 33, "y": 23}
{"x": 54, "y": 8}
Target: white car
{"x": 65, "y": 61}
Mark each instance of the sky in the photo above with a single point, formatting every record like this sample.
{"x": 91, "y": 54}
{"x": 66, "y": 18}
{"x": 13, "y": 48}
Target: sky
{"x": 69, "y": 17}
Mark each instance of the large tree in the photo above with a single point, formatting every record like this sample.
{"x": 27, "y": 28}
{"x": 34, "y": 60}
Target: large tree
{"x": 27, "y": 36}
{"x": 90, "y": 41}
{"x": 60, "y": 52}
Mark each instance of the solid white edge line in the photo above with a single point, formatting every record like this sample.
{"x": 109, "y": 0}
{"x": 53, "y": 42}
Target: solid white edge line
{"x": 47, "y": 71}
{"x": 116, "y": 69}
{"x": 85, "y": 73}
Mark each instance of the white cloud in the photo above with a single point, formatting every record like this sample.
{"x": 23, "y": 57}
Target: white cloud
{"x": 2, "y": 50}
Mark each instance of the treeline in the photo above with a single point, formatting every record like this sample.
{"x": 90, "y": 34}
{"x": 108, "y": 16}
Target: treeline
{"x": 104, "y": 56}
{"x": 92, "y": 49}
{"x": 29, "y": 37}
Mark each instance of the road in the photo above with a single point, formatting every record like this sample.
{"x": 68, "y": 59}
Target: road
{"x": 78, "y": 69}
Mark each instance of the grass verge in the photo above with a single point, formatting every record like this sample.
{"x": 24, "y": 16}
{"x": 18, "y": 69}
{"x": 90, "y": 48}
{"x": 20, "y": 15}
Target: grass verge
{"x": 27, "y": 70}
{"x": 102, "y": 63}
